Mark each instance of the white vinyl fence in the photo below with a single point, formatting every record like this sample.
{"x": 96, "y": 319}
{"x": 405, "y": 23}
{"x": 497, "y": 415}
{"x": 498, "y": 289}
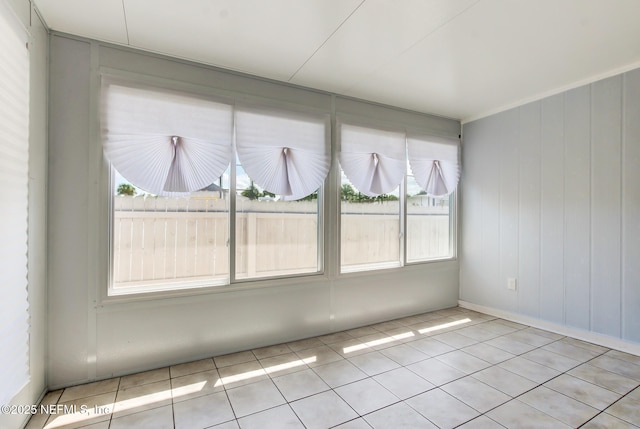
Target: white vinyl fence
{"x": 168, "y": 239}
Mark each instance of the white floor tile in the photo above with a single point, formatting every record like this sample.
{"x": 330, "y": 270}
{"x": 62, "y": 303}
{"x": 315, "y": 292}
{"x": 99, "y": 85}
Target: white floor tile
{"x": 603, "y": 378}
{"x": 583, "y": 391}
{"x": 317, "y": 356}
{"x": 300, "y": 384}
{"x": 403, "y": 383}
{"x": 254, "y": 397}
{"x": 142, "y": 398}
{"x": 323, "y": 410}
{"x": 192, "y": 367}
{"x": 442, "y": 409}
{"x": 83, "y": 411}
{"x": 194, "y": 385}
{"x": 374, "y": 363}
{"x": 157, "y": 418}
{"x": 90, "y": 389}
{"x": 463, "y": 361}
{"x": 559, "y": 406}
{"x": 607, "y": 421}
{"x": 144, "y": 378}
{"x": 529, "y": 369}
{"x": 281, "y": 417}
{"x": 488, "y": 353}
{"x": 627, "y": 409}
{"x": 622, "y": 367}
{"x": 551, "y": 359}
{"x": 271, "y": 351}
{"x": 366, "y": 395}
{"x": 234, "y": 359}
{"x": 518, "y": 415}
{"x": 481, "y": 422}
{"x": 399, "y": 415}
{"x": 476, "y": 394}
{"x": 404, "y": 354}
{"x": 505, "y": 381}
{"x": 203, "y": 411}
{"x": 339, "y": 373}
{"x": 435, "y": 371}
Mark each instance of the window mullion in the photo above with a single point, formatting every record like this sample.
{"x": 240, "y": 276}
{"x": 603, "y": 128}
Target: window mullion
{"x": 333, "y": 202}
{"x": 403, "y": 221}
{"x": 232, "y": 204}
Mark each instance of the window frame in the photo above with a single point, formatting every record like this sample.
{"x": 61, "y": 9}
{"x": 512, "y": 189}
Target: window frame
{"x": 329, "y": 201}
{"x": 381, "y": 124}
{"x": 185, "y": 285}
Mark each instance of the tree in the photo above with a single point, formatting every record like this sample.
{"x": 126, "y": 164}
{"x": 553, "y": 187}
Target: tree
{"x": 252, "y": 192}
{"x": 310, "y": 197}
{"x": 347, "y": 193}
{"x": 126, "y": 189}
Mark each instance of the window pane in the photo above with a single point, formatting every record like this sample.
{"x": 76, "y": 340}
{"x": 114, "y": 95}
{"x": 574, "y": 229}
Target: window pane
{"x": 172, "y": 242}
{"x": 370, "y": 229}
{"x": 274, "y": 237}
{"x": 428, "y": 234}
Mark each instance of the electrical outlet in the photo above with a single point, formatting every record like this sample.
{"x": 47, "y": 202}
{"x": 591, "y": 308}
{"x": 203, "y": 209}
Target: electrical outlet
{"x": 511, "y": 284}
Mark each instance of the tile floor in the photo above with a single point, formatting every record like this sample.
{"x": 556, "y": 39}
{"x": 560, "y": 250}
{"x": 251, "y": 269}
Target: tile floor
{"x": 444, "y": 369}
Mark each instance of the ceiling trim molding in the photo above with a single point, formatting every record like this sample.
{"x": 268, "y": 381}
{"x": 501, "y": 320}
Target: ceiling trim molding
{"x": 559, "y": 90}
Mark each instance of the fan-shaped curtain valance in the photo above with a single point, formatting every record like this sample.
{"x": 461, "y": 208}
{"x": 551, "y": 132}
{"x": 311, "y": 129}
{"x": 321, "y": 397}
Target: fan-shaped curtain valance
{"x": 373, "y": 160}
{"x": 286, "y": 155}
{"x": 165, "y": 142}
{"x": 434, "y": 163}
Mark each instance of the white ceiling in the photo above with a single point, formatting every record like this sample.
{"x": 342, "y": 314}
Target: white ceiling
{"x": 462, "y": 59}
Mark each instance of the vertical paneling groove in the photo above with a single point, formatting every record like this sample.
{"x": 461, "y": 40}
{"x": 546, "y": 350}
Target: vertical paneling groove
{"x": 552, "y": 211}
{"x": 564, "y": 210}
{"x": 529, "y": 213}
{"x": 577, "y": 204}
{"x": 623, "y": 86}
{"x": 509, "y": 199}
{"x": 605, "y": 207}
{"x": 490, "y": 268}
{"x": 631, "y": 208}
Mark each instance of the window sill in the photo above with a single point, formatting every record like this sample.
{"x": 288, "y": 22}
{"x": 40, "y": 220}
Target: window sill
{"x": 246, "y": 285}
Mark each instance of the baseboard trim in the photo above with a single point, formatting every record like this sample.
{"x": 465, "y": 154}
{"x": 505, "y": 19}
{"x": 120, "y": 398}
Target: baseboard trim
{"x": 591, "y": 337}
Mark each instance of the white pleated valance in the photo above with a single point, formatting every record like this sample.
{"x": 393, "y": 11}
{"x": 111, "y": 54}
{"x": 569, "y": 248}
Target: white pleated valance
{"x": 373, "y": 160}
{"x": 435, "y": 166}
{"x": 285, "y": 155}
{"x": 165, "y": 142}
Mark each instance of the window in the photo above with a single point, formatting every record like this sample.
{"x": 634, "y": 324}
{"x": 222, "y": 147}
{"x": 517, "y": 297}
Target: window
{"x": 177, "y": 198}
{"x": 433, "y": 174}
{"x": 284, "y": 159}
{"x": 375, "y": 192}
{"x": 211, "y": 192}
{"x": 275, "y": 237}
{"x": 169, "y": 242}
{"x": 429, "y": 224}
{"x": 373, "y": 167}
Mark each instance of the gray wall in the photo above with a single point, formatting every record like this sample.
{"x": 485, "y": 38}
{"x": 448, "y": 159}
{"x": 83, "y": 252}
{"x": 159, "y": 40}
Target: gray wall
{"x": 37, "y": 262}
{"x": 551, "y": 196}
{"x": 92, "y": 337}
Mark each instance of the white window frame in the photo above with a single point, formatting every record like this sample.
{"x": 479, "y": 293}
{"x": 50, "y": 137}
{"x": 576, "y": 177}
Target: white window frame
{"x": 403, "y": 212}
{"x": 184, "y": 285}
{"x": 329, "y": 204}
